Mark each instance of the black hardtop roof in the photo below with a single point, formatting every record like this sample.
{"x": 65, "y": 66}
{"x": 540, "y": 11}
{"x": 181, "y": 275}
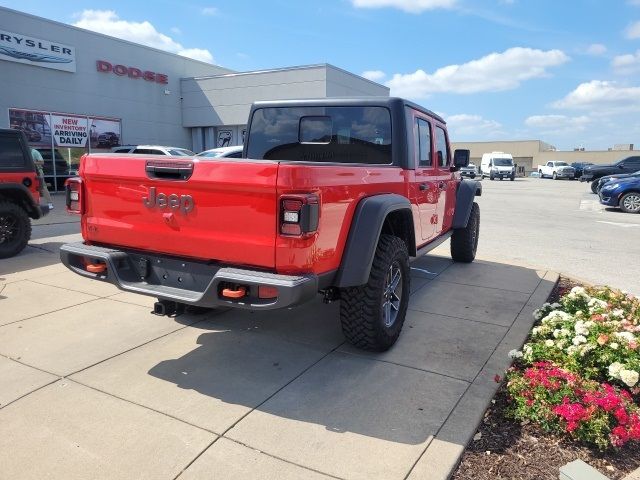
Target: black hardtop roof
{"x": 389, "y": 102}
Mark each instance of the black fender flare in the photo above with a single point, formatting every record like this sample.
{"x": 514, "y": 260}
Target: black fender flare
{"x": 19, "y": 192}
{"x": 467, "y": 191}
{"x": 364, "y": 233}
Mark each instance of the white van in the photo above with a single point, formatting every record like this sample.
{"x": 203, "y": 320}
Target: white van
{"x": 497, "y": 165}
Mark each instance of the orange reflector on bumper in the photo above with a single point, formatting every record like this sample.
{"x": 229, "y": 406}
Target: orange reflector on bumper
{"x": 267, "y": 292}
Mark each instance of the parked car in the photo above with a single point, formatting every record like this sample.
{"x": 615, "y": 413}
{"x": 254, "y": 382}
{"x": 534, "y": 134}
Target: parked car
{"x": 614, "y": 178}
{"x": 469, "y": 171}
{"x": 556, "y": 170}
{"x": 228, "y": 152}
{"x": 593, "y": 173}
{"x": 154, "y": 150}
{"x": 108, "y": 139}
{"x": 624, "y": 194}
{"x": 328, "y": 198}
{"x": 579, "y": 167}
{"x": 497, "y": 165}
{"x": 20, "y": 193}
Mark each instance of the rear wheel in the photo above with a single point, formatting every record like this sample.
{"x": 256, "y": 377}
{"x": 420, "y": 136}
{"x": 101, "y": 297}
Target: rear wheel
{"x": 630, "y": 202}
{"x": 513, "y": 177}
{"x": 540, "y": 175}
{"x": 372, "y": 315}
{"x": 15, "y": 229}
{"x": 464, "y": 241}
{"x": 594, "y": 186}
{"x": 555, "y": 176}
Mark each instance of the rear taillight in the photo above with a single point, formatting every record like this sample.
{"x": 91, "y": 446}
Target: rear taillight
{"x": 299, "y": 214}
{"x": 74, "y": 192}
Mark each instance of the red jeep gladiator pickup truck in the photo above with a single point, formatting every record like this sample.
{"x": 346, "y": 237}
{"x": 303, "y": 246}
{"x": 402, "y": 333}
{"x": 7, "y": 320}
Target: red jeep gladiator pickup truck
{"x": 331, "y": 196}
{"x": 19, "y": 192}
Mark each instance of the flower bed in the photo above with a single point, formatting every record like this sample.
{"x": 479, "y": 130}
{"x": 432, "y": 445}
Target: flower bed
{"x": 580, "y": 371}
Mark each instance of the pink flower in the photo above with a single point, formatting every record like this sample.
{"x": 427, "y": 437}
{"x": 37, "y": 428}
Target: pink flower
{"x": 633, "y": 344}
{"x": 602, "y": 339}
{"x": 497, "y": 378}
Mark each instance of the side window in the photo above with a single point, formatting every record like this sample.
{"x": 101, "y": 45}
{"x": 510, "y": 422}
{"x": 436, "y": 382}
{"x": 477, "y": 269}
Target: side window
{"x": 11, "y": 155}
{"x": 442, "y": 152}
{"x": 632, "y": 162}
{"x": 549, "y": 164}
{"x": 235, "y": 155}
{"x": 424, "y": 143}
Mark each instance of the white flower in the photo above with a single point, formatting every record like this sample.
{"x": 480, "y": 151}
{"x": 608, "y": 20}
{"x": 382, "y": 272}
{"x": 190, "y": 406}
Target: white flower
{"x": 580, "y": 328}
{"x": 549, "y": 343}
{"x": 629, "y": 377}
{"x": 584, "y": 349}
{"x": 596, "y": 304}
{"x": 561, "y": 344}
{"x": 614, "y": 369}
{"x": 578, "y": 291}
{"x": 571, "y": 350}
{"x": 614, "y": 345}
{"x": 589, "y": 323}
{"x": 627, "y": 336}
{"x": 556, "y": 333}
{"x": 515, "y": 353}
{"x": 618, "y": 312}
{"x": 578, "y": 339}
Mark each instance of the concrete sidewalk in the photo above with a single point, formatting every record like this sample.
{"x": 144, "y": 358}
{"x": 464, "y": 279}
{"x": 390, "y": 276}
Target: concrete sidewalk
{"x": 94, "y": 386}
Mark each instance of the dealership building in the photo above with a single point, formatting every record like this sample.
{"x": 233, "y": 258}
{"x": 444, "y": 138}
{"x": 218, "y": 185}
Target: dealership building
{"x": 72, "y": 91}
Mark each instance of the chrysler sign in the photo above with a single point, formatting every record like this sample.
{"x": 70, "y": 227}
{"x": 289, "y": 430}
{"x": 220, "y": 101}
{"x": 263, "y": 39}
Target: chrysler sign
{"x": 15, "y": 47}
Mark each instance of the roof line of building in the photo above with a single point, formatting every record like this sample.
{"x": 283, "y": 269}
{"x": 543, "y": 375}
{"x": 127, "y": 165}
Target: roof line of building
{"x": 285, "y": 69}
{"x": 128, "y": 42}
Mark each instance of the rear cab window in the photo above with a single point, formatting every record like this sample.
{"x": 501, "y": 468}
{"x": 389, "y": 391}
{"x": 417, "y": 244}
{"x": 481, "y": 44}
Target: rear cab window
{"x": 348, "y": 134}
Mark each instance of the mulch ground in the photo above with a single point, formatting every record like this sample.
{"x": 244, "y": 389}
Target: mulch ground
{"x": 506, "y": 449}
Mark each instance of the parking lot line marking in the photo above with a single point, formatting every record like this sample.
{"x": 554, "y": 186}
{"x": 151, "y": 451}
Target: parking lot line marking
{"x": 423, "y": 270}
{"x": 590, "y": 205}
{"x": 619, "y": 224}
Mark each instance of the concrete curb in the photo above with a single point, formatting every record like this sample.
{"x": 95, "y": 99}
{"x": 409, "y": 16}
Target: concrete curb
{"x": 442, "y": 456}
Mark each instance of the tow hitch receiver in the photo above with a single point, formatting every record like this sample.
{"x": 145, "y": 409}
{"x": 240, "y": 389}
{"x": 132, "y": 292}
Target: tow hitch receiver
{"x": 168, "y": 308}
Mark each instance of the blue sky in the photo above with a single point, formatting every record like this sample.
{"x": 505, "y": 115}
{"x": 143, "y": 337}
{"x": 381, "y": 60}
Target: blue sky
{"x": 563, "y": 71}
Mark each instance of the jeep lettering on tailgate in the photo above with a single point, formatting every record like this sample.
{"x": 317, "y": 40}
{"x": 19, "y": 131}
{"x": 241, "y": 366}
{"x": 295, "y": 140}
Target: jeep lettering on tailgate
{"x": 184, "y": 203}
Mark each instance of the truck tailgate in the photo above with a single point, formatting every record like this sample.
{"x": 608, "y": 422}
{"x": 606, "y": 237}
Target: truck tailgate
{"x": 224, "y": 211}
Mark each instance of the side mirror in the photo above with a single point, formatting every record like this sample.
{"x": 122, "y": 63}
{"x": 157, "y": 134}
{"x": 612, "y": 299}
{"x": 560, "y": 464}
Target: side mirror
{"x": 461, "y": 158}
{"x": 621, "y": 165}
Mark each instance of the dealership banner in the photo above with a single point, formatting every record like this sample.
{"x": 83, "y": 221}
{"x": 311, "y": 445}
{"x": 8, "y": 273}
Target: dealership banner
{"x": 69, "y": 130}
{"x": 15, "y": 47}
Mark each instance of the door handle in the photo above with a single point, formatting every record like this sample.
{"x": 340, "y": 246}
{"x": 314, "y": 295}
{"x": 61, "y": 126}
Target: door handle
{"x": 424, "y": 186}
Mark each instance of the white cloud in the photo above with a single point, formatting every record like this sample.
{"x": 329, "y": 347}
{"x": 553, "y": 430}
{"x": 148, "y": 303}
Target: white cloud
{"x": 596, "y": 49}
{"x": 634, "y": 2}
{"x": 633, "y": 31}
{"x": 494, "y": 72}
{"x": 601, "y": 96}
{"x": 201, "y": 54}
{"x": 176, "y": 30}
{"x": 554, "y": 124}
{"x": 472, "y": 126}
{"x": 108, "y": 23}
{"x": 373, "y": 75}
{"x": 210, "y": 11}
{"x": 628, "y": 63}
{"x": 410, "y": 6}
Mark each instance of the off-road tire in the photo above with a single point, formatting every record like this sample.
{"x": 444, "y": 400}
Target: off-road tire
{"x": 361, "y": 308}
{"x": 464, "y": 241}
{"x": 13, "y": 214}
{"x": 594, "y": 185}
{"x": 631, "y": 199}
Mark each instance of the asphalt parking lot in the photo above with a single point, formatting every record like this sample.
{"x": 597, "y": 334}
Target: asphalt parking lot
{"x": 94, "y": 386}
{"x": 559, "y": 225}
